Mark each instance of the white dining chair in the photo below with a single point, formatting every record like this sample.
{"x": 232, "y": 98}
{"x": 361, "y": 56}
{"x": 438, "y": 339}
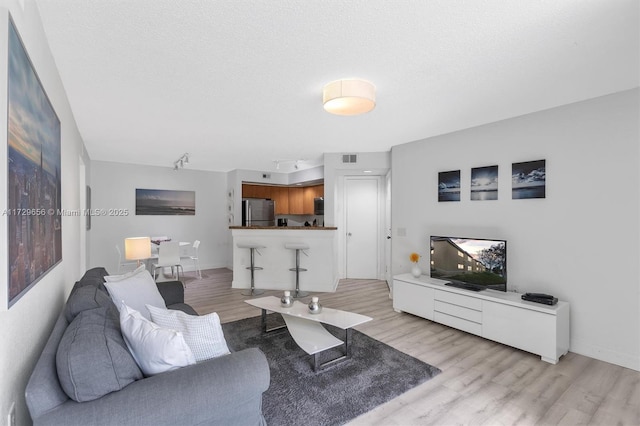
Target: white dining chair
{"x": 168, "y": 257}
{"x": 193, "y": 257}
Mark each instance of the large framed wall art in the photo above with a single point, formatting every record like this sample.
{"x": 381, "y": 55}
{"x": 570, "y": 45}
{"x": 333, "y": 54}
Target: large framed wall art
{"x": 165, "y": 202}
{"x": 33, "y": 184}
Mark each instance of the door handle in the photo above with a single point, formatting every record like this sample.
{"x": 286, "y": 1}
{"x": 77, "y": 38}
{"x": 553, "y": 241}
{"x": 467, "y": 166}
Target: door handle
{"x": 348, "y": 234}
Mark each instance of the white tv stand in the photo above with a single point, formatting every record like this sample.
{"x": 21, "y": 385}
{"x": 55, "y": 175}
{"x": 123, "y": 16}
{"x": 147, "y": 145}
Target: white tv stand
{"x": 495, "y": 315}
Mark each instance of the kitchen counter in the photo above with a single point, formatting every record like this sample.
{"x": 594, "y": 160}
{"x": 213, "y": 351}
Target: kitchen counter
{"x": 289, "y": 228}
{"x": 321, "y": 260}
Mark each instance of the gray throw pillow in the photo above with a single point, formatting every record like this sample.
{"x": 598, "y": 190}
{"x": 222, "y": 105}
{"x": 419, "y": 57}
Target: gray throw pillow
{"x": 93, "y": 359}
{"x": 85, "y": 298}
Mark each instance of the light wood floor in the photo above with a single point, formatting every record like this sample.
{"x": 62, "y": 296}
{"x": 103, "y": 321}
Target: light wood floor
{"x": 482, "y": 382}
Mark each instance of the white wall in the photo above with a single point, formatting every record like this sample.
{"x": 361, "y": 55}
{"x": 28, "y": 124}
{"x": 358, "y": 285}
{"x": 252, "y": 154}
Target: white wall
{"x": 580, "y": 243}
{"x": 25, "y": 327}
{"x": 113, "y": 186}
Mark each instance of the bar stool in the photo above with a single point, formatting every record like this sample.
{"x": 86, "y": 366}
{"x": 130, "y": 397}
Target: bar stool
{"x": 253, "y": 248}
{"x": 298, "y": 247}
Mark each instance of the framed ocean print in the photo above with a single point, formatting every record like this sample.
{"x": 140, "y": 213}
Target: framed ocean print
{"x": 484, "y": 183}
{"x": 34, "y": 228}
{"x": 165, "y": 202}
{"x": 529, "y": 180}
{"x": 449, "y": 186}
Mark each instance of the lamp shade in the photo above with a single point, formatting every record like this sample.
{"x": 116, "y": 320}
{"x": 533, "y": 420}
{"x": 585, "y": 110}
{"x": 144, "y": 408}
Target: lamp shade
{"x": 137, "y": 248}
{"x": 349, "y": 97}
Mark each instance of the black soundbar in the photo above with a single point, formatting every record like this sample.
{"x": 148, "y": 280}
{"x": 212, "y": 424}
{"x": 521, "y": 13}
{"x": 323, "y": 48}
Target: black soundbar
{"x": 540, "y": 298}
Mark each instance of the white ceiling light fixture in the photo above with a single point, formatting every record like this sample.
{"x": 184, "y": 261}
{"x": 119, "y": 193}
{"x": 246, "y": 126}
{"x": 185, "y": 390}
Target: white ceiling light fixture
{"x": 349, "y": 97}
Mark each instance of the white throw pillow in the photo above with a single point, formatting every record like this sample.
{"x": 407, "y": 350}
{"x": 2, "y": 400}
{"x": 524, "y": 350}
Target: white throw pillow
{"x": 114, "y": 278}
{"x": 136, "y": 291}
{"x": 154, "y": 348}
{"x": 203, "y": 333}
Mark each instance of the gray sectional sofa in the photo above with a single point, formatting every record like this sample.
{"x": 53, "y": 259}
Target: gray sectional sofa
{"x": 222, "y": 391}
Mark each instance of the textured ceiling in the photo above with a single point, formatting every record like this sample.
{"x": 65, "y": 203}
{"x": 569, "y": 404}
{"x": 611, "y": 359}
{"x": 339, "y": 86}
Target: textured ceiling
{"x": 238, "y": 84}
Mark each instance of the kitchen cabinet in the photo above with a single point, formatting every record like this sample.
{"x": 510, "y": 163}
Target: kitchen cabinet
{"x": 256, "y": 191}
{"x": 308, "y": 195}
{"x": 296, "y": 200}
{"x": 288, "y": 200}
{"x": 280, "y": 194}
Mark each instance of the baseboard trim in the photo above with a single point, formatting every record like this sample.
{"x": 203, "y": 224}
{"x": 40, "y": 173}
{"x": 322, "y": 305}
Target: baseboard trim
{"x": 607, "y": 355}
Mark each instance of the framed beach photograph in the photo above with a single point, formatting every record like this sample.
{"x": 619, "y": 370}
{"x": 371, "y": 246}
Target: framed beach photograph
{"x": 165, "y": 202}
{"x": 484, "y": 183}
{"x": 34, "y": 228}
{"x": 528, "y": 180}
{"x": 449, "y": 186}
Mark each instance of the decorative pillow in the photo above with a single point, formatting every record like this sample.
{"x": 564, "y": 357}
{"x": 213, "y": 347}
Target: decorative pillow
{"x": 84, "y": 298}
{"x": 114, "y": 278}
{"x": 92, "y": 358}
{"x": 154, "y": 348}
{"x": 136, "y": 291}
{"x": 203, "y": 333}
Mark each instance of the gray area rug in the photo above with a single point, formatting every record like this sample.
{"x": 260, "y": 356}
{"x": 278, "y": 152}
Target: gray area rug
{"x": 375, "y": 374}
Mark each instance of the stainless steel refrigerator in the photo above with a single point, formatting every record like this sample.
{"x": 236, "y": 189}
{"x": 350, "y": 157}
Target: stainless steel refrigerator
{"x": 258, "y": 212}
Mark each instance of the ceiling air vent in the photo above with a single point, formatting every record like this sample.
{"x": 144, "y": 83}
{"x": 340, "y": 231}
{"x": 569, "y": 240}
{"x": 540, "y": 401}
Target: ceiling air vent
{"x": 349, "y": 158}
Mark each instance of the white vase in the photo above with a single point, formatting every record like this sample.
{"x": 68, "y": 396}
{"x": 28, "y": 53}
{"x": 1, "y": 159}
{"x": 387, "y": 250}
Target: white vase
{"x": 416, "y": 271}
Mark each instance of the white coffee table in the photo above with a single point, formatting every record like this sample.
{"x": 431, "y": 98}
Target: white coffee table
{"x": 307, "y": 330}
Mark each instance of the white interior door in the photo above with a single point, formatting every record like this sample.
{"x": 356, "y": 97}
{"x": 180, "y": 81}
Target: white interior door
{"x": 362, "y": 209}
{"x": 387, "y": 230}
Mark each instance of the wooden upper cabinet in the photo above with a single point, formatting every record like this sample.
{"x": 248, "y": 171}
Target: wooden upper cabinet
{"x": 319, "y": 191}
{"x": 288, "y": 200}
{"x": 248, "y": 191}
{"x": 309, "y": 194}
{"x": 296, "y": 201}
{"x": 255, "y": 191}
{"x": 280, "y": 194}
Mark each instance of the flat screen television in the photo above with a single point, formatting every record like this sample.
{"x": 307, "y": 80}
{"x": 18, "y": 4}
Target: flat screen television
{"x": 470, "y": 263}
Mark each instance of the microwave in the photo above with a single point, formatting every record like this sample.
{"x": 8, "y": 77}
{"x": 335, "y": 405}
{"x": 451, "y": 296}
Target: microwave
{"x": 318, "y": 206}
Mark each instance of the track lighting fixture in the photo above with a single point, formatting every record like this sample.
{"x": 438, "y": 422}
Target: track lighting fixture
{"x": 295, "y": 164}
{"x": 180, "y": 162}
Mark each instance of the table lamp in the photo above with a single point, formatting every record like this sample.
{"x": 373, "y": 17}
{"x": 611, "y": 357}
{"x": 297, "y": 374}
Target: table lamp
{"x": 137, "y": 248}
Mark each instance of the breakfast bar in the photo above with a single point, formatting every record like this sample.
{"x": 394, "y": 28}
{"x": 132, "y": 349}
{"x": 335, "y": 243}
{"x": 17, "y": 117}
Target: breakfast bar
{"x": 319, "y": 262}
